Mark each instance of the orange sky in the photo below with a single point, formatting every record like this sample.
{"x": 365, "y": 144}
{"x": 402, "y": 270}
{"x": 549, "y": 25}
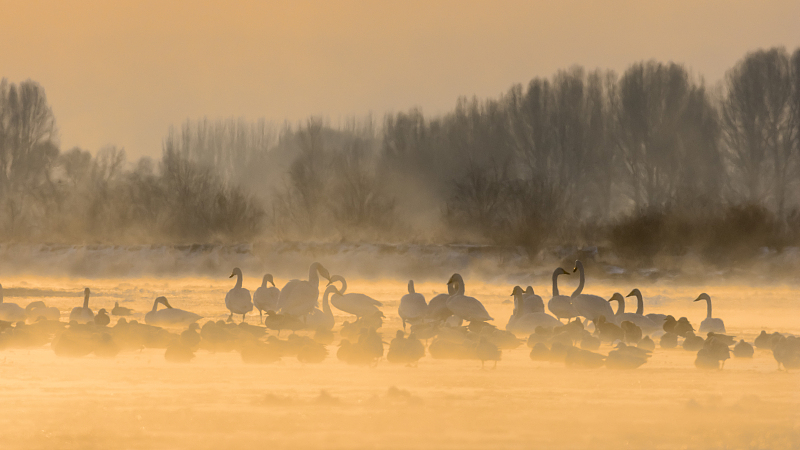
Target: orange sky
{"x": 120, "y": 72}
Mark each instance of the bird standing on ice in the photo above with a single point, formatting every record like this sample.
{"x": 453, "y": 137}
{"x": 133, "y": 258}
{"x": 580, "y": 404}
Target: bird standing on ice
{"x": 265, "y": 298}
{"x": 238, "y": 299}
{"x": 412, "y": 307}
{"x": 710, "y": 323}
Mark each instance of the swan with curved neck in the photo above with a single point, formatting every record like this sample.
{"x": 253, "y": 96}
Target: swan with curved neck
{"x": 525, "y": 323}
{"x": 265, "y": 298}
{"x": 82, "y": 314}
{"x": 10, "y": 312}
{"x": 647, "y": 325}
{"x": 437, "y": 307}
{"x": 169, "y": 317}
{"x": 299, "y": 297}
{"x": 359, "y": 305}
{"x": 412, "y": 307}
{"x": 710, "y": 323}
{"x": 463, "y": 306}
{"x": 561, "y": 305}
{"x": 589, "y": 306}
{"x": 238, "y": 299}
{"x": 658, "y": 319}
{"x": 322, "y": 318}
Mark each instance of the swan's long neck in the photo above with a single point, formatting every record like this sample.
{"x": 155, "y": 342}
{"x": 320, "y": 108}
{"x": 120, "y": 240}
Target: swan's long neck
{"x": 264, "y": 282}
{"x": 708, "y": 308}
{"x": 326, "y": 308}
{"x": 411, "y": 287}
{"x": 86, "y": 301}
{"x": 460, "y": 287}
{"x": 621, "y": 308}
{"x": 238, "y": 280}
{"x": 155, "y": 305}
{"x": 639, "y": 304}
{"x": 519, "y": 304}
{"x": 555, "y": 283}
{"x": 580, "y": 285}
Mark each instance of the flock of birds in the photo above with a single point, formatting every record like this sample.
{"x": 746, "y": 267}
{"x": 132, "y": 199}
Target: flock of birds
{"x": 452, "y": 326}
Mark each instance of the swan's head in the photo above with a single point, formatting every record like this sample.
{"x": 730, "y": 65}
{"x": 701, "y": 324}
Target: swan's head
{"x": 617, "y": 297}
{"x": 517, "y": 291}
{"x": 163, "y": 301}
{"x": 411, "y": 286}
{"x": 578, "y": 265}
{"x": 634, "y": 292}
{"x": 336, "y": 278}
{"x": 456, "y": 278}
{"x": 321, "y": 270}
{"x": 703, "y": 296}
{"x": 400, "y": 334}
{"x": 529, "y": 290}
{"x": 236, "y": 272}
{"x": 267, "y": 279}
{"x": 560, "y": 271}
{"x": 331, "y": 289}
{"x": 86, "y": 292}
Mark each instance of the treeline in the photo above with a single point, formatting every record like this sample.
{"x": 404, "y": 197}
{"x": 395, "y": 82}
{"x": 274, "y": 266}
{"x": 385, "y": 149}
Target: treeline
{"x": 652, "y": 161}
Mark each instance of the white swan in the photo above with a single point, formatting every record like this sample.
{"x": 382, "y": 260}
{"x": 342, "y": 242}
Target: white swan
{"x": 412, "y": 307}
{"x": 658, "y": 319}
{"x": 647, "y": 325}
{"x": 710, "y": 323}
{"x": 237, "y": 300}
{"x": 38, "y": 309}
{"x": 590, "y": 306}
{"x": 437, "y": 307}
{"x": 464, "y": 307}
{"x": 532, "y": 302}
{"x": 322, "y": 318}
{"x": 265, "y": 298}
{"x": 10, "y": 312}
{"x": 526, "y": 323}
{"x": 561, "y": 305}
{"x": 169, "y": 317}
{"x": 299, "y": 297}
{"x": 359, "y": 305}
{"x": 82, "y": 314}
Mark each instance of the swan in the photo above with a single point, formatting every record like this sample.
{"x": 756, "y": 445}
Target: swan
{"x": 120, "y": 310}
{"x": 237, "y": 300}
{"x": 526, "y": 323}
{"x": 467, "y": 308}
{"x": 437, "y": 307}
{"x": 10, "y": 312}
{"x": 589, "y": 306}
{"x": 532, "y": 302}
{"x": 561, "y": 305}
{"x": 323, "y": 318}
{"x": 82, "y": 314}
{"x": 710, "y": 323}
{"x": 299, "y": 297}
{"x": 647, "y": 325}
{"x": 658, "y": 319}
{"x": 412, "y": 307}
{"x": 37, "y": 309}
{"x": 169, "y": 317}
{"x": 265, "y": 298}
{"x": 359, "y": 305}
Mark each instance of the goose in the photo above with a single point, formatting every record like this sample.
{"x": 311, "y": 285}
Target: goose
{"x": 561, "y": 305}
{"x": 102, "y": 319}
{"x": 10, "y": 312}
{"x": 237, "y": 300}
{"x": 464, "y": 307}
{"x": 710, "y": 323}
{"x": 169, "y": 317}
{"x": 322, "y": 319}
{"x": 38, "y": 309}
{"x": 120, "y": 310}
{"x": 82, "y": 314}
{"x": 533, "y": 302}
{"x": 658, "y": 319}
{"x": 299, "y": 297}
{"x": 526, "y": 323}
{"x": 412, "y": 307}
{"x": 359, "y": 305}
{"x": 589, "y": 306}
{"x": 265, "y": 298}
{"x": 647, "y": 325}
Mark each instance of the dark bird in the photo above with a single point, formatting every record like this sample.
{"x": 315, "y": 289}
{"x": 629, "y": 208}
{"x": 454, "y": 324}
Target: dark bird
{"x": 743, "y": 350}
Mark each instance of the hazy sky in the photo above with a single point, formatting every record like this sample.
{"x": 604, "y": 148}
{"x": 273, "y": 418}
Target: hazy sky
{"x": 120, "y": 72}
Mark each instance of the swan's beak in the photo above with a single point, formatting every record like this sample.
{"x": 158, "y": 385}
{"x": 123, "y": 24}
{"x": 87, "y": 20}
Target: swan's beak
{"x": 232, "y": 275}
{"x": 575, "y": 269}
